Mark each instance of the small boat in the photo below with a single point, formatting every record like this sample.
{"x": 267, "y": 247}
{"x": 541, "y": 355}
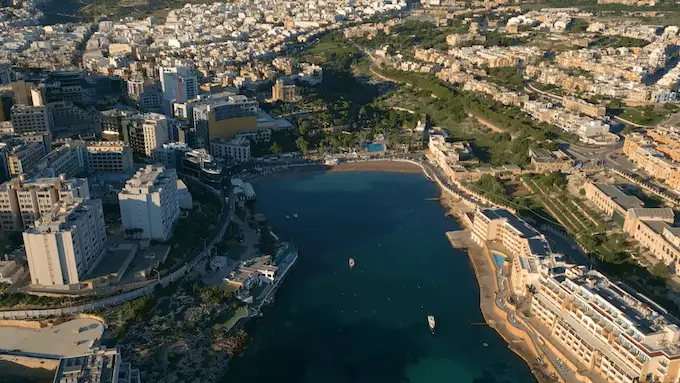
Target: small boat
{"x": 485, "y": 344}
{"x": 431, "y": 322}
{"x": 295, "y": 215}
{"x": 287, "y": 217}
{"x": 351, "y": 262}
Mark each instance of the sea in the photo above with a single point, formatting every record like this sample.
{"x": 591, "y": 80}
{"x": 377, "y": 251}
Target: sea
{"x": 335, "y": 324}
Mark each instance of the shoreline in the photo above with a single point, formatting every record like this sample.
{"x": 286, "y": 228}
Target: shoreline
{"x": 518, "y": 340}
{"x": 522, "y": 344}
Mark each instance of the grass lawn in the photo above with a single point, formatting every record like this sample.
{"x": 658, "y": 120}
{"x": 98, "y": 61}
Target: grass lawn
{"x": 328, "y": 47}
{"x": 641, "y": 115}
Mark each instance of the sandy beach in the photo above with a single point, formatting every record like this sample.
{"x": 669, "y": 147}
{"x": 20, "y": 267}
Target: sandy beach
{"x": 385, "y": 166}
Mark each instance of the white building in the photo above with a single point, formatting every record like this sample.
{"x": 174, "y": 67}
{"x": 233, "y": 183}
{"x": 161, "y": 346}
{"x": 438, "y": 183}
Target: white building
{"x": 178, "y": 84}
{"x": 66, "y": 243}
{"x": 149, "y": 202}
{"x": 236, "y": 150}
{"x": 97, "y": 365}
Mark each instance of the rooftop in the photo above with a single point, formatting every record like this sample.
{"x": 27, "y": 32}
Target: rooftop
{"x": 619, "y": 197}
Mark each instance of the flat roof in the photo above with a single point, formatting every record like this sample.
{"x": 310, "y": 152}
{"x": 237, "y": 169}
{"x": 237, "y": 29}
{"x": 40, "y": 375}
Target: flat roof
{"x": 52, "y": 342}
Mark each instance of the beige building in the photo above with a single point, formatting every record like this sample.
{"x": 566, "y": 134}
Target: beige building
{"x": 546, "y": 161}
{"x": 526, "y": 246}
{"x": 66, "y": 243}
{"x": 32, "y": 119}
{"x": 607, "y": 328}
{"x": 22, "y": 158}
{"x": 644, "y": 152}
{"x": 583, "y": 107}
{"x": 284, "y": 91}
{"x": 109, "y": 157}
{"x": 654, "y": 230}
{"x": 611, "y": 199}
{"x": 23, "y": 201}
{"x": 145, "y": 133}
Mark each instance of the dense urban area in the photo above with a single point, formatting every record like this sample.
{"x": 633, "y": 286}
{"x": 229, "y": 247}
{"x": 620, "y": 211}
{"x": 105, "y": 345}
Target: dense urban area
{"x": 131, "y": 133}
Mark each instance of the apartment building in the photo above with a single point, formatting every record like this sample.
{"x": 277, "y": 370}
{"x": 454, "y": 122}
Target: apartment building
{"x": 653, "y": 229}
{"x": 643, "y": 151}
{"x": 22, "y": 158}
{"x": 668, "y": 141}
{"x": 179, "y": 84}
{"x": 69, "y": 159}
{"x": 23, "y": 201}
{"x": 31, "y": 119}
{"x": 170, "y": 154}
{"x": 145, "y": 133}
{"x": 148, "y": 202}
{"x": 606, "y": 327}
{"x": 236, "y": 150}
{"x": 611, "y": 199}
{"x": 66, "y": 243}
{"x": 70, "y": 120}
{"x": 525, "y": 244}
{"x": 109, "y": 157}
{"x": 583, "y": 107}
{"x": 97, "y": 365}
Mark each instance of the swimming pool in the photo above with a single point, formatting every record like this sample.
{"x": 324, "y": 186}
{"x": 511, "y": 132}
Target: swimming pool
{"x": 498, "y": 259}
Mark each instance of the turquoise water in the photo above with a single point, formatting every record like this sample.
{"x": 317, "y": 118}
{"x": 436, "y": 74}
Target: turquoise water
{"x": 333, "y": 324}
{"x": 498, "y": 259}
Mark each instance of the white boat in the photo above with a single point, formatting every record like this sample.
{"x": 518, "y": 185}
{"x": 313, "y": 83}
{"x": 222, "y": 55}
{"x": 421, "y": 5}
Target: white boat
{"x": 295, "y": 215}
{"x": 351, "y": 262}
{"x": 287, "y": 217}
{"x": 431, "y": 322}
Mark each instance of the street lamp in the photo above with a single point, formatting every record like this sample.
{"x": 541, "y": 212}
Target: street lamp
{"x": 158, "y": 274}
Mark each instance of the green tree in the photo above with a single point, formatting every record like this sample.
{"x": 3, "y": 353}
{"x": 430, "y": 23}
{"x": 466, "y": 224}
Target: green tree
{"x": 302, "y": 144}
{"x": 275, "y": 148}
{"x": 661, "y": 270}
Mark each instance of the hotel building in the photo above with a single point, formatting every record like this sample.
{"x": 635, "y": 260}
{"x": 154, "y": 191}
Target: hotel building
{"x": 527, "y": 247}
{"x": 149, "y": 202}
{"x": 607, "y": 328}
{"x": 23, "y": 201}
{"x": 66, "y": 243}
{"x": 224, "y": 116}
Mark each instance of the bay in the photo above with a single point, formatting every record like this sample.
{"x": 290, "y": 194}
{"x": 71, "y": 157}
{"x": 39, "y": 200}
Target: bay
{"x": 333, "y": 323}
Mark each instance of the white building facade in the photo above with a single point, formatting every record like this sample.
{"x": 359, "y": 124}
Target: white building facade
{"x": 149, "y": 202}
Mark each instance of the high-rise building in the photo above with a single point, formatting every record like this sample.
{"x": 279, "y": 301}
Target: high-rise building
{"x": 145, "y": 133}
{"x": 179, "y": 84}
{"x": 109, "y": 157}
{"x": 23, "y": 201}
{"x": 66, "y": 243}
{"x": 148, "y": 202}
{"x": 31, "y": 119}
{"x": 224, "y": 117}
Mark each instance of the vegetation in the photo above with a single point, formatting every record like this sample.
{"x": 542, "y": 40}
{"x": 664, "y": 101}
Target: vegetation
{"x": 617, "y": 42}
{"x": 133, "y": 311}
{"x": 403, "y": 37}
{"x": 508, "y": 77}
{"x": 642, "y": 115}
